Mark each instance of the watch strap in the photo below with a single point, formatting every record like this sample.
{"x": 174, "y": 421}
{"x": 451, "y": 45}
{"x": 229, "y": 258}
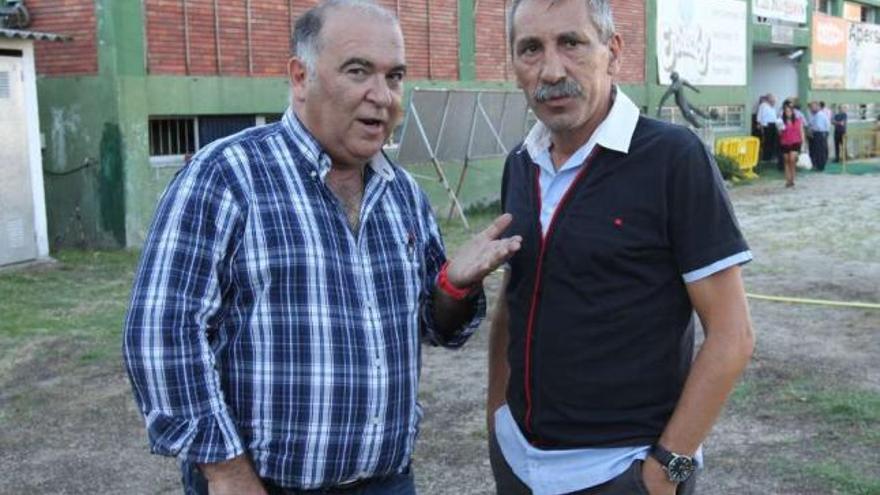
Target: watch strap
{"x": 663, "y": 456}
{"x": 679, "y": 468}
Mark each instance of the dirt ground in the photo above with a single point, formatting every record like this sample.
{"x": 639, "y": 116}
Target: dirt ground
{"x": 803, "y": 422}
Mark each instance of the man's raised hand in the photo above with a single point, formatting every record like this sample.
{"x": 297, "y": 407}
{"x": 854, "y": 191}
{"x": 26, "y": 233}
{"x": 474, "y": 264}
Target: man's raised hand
{"x": 483, "y": 253}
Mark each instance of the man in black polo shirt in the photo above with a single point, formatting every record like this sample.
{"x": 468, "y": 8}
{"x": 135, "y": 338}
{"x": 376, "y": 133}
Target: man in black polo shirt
{"x": 626, "y": 230}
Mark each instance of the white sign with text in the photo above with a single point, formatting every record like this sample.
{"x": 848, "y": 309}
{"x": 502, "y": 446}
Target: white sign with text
{"x": 784, "y": 10}
{"x": 703, "y": 40}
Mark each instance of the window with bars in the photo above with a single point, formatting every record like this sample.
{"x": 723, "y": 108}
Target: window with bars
{"x": 173, "y": 137}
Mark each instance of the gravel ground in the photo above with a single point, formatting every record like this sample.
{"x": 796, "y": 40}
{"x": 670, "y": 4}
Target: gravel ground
{"x": 74, "y": 429}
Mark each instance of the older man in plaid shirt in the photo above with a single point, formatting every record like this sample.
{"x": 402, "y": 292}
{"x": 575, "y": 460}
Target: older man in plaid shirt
{"x": 289, "y": 277}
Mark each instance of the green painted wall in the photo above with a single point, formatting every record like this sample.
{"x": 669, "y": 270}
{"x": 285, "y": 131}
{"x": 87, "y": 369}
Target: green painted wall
{"x": 74, "y": 116}
{"x": 80, "y": 118}
{"x": 102, "y": 121}
{"x": 167, "y": 96}
{"x": 467, "y": 69}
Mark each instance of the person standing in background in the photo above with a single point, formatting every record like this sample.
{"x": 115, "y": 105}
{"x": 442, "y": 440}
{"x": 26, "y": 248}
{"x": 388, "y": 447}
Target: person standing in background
{"x": 839, "y": 122}
{"x": 769, "y": 132}
{"x": 820, "y": 125}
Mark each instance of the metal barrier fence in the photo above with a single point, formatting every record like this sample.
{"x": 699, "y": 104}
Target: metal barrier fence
{"x": 460, "y": 125}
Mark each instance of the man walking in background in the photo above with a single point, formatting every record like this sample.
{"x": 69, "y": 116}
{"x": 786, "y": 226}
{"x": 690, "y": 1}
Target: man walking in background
{"x": 626, "y": 229}
{"x": 289, "y": 276}
{"x": 820, "y": 125}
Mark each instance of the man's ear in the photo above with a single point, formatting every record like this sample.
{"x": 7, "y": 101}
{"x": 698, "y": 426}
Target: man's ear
{"x": 298, "y": 76}
{"x": 615, "y": 45}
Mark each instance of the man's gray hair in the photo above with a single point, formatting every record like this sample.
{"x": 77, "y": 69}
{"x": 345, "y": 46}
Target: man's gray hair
{"x": 600, "y": 12}
{"x": 305, "y": 43}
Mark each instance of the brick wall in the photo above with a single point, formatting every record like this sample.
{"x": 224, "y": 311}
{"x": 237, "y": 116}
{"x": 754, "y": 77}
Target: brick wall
{"x": 437, "y": 59}
{"x": 629, "y": 19}
{"x": 75, "y": 18}
{"x": 270, "y": 32}
{"x": 493, "y": 58}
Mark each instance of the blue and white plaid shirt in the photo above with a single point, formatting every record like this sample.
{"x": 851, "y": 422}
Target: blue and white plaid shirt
{"x": 260, "y": 323}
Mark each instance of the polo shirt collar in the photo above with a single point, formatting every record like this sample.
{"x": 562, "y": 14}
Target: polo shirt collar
{"x": 316, "y": 158}
{"x": 614, "y": 133}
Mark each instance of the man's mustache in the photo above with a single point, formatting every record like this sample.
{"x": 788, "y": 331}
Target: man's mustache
{"x": 561, "y": 89}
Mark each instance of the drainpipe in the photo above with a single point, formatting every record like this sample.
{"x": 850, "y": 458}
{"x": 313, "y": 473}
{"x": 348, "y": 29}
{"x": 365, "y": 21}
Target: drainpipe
{"x": 186, "y": 35}
{"x": 249, "y": 46}
{"x": 217, "y": 37}
{"x": 430, "y": 57}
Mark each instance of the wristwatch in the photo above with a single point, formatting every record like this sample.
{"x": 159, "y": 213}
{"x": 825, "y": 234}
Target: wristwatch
{"x": 679, "y": 468}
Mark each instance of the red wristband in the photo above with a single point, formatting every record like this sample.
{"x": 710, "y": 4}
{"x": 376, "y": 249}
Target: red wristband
{"x": 448, "y": 288}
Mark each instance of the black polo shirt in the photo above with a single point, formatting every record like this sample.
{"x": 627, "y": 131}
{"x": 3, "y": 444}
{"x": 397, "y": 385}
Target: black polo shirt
{"x": 601, "y": 326}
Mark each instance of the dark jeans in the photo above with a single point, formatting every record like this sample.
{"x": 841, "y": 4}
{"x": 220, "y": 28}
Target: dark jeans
{"x": 838, "y": 141}
{"x": 400, "y": 484}
{"x": 628, "y": 483}
{"x": 769, "y": 143}
{"x": 819, "y": 150}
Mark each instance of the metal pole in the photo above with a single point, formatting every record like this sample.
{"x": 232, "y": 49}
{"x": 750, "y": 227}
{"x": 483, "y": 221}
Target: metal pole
{"x": 491, "y": 127}
{"x": 467, "y": 156}
{"x": 186, "y": 35}
{"x": 506, "y": 45}
{"x": 146, "y": 40}
{"x": 428, "y": 21}
{"x": 442, "y": 124}
{"x": 437, "y": 167}
{"x": 249, "y": 48}
{"x": 503, "y": 114}
{"x": 217, "y": 37}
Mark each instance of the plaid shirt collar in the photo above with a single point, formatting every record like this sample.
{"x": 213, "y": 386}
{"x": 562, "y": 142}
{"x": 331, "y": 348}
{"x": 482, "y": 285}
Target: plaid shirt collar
{"x": 317, "y": 158}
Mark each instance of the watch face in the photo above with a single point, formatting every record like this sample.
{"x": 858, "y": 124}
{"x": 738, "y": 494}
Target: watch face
{"x": 680, "y": 469}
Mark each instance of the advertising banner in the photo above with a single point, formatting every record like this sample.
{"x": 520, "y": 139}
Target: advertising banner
{"x": 829, "y": 51}
{"x": 785, "y": 10}
{"x": 863, "y": 57}
{"x": 703, "y": 40}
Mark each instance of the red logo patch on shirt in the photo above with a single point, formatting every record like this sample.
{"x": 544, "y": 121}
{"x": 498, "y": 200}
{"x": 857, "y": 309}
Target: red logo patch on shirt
{"x": 618, "y": 222}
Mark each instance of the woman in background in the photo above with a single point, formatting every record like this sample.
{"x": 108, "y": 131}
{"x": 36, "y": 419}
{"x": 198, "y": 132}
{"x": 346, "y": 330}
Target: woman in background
{"x": 790, "y": 140}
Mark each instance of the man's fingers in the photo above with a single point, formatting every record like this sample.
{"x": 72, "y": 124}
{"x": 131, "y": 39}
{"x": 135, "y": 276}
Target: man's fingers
{"x": 509, "y": 245}
{"x": 503, "y": 250}
{"x": 498, "y": 226}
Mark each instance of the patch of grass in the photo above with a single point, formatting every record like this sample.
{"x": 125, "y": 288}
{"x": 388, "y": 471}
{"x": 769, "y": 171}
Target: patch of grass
{"x": 844, "y": 479}
{"x": 831, "y": 476}
{"x": 854, "y": 168}
{"x": 856, "y": 406}
{"x": 84, "y": 295}
{"x": 454, "y": 233}
{"x": 844, "y": 425}
{"x": 745, "y": 393}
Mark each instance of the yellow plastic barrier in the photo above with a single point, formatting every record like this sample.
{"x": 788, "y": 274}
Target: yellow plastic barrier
{"x": 744, "y": 151}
